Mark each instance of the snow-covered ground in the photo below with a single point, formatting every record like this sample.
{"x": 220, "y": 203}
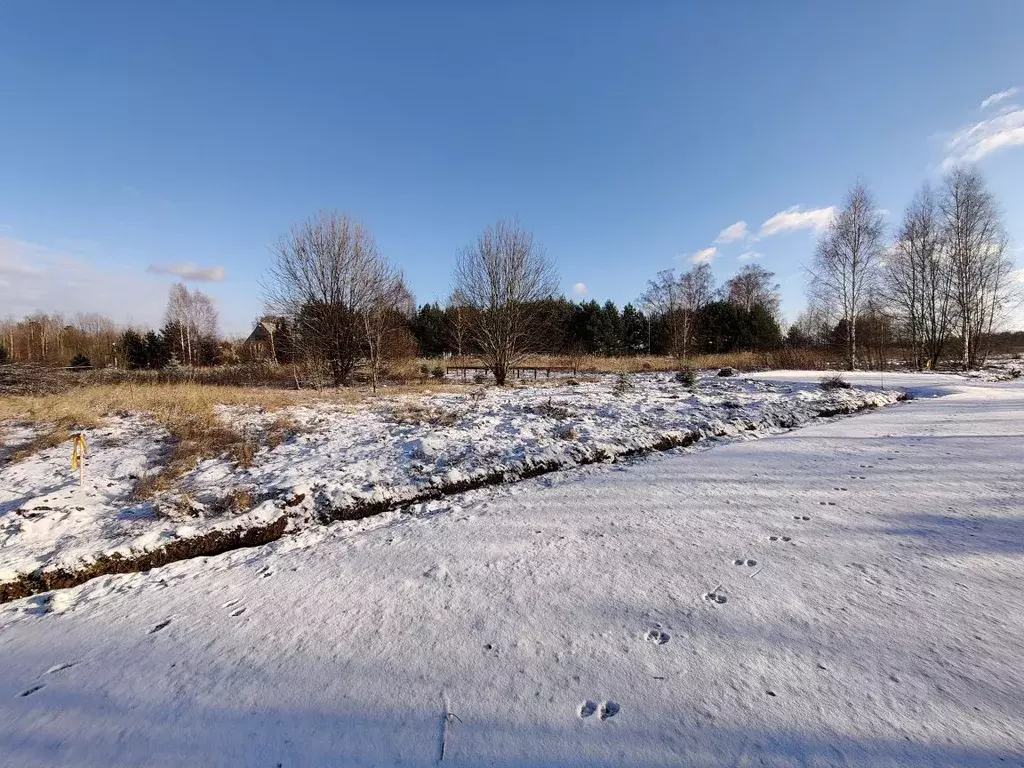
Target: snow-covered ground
{"x": 395, "y": 450}
{"x": 846, "y": 594}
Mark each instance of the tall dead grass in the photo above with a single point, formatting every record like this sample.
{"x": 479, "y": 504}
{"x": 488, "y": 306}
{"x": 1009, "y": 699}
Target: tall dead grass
{"x": 803, "y": 359}
{"x": 187, "y": 411}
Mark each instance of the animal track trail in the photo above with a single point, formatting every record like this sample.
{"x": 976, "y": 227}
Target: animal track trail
{"x": 824, "y": 504}
{"x": 157, "y": 627}
{"x": 60, "y": 667}
{"x": 715, "y": 597}
{"x": 609, "y": 709}
{"x": 839, "y": 488}
{"x": 31, "y": 690}
{"x": 747, "y": 562}
{"x": 657, "y": 637}
{"x": 803, "y": 518}
{"x": 237, "y": 612}
{"x": 780, "y": 538}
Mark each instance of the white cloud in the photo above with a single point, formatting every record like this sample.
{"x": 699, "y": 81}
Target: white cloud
{"x": 970, "y": 144}
{"x": 188, "y": 272}
{"x": 995, "y": 98}
{"x": 704, "y": 256}
{"x": 733, "y": 232}
{"x": 580, "y": 289}
{"x": 36, "y": 278}
{"x": 794, "y": 218}
{"x": 750, "y": 256}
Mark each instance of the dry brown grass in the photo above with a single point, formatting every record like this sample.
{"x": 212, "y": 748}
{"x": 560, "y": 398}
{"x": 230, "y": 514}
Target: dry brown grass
{"x": 812, "y": 359}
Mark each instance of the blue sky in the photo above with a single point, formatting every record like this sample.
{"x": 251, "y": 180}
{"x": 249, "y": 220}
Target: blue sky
{"x": 627, "y": 136}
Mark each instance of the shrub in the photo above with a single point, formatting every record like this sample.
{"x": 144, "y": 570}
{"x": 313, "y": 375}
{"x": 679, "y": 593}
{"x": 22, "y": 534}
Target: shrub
{"x": 687, "y": 377}
{"x": 424, "y": 369}
{"x": 80, "y": 361}
{"x": 438, "y": 372}
{"x": 1015, "y": 373}
{"x": 726, "y": 372}
{"x": 835, "y": 382}
{"x": 479, "y": 378}
{"x": 623, "y": 384}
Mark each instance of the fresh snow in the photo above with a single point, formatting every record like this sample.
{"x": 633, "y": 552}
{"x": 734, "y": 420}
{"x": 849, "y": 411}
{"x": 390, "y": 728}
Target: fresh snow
{"x": 388, "y": 451}
{"x": 845, "y": 594}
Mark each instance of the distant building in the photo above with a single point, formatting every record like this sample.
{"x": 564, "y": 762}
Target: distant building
{"x": 262, "y": 342}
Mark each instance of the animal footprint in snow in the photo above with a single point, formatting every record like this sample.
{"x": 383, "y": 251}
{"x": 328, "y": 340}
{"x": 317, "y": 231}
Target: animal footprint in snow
{"x": 837, "y": 488}
{"x": 715, "y": 597}
{"x": 158, "y": 627}
{"x": 824, "y": 504}
{"x": 780, "y": 538}
{"x": 801, "y": 517}
{"x": 237, "y": 612}
{"x": 657, "y": 637}
{"x": 32, "y": 690}
{"x": 587, "y": 708}
{"x": 741, "y": 561}
{"x": 609, "y": 709}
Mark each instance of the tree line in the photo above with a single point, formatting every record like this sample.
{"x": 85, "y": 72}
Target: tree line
{"x": 336, "y": 300}
{"x": 189, "y": 336}
{"x": 940, "y": 285}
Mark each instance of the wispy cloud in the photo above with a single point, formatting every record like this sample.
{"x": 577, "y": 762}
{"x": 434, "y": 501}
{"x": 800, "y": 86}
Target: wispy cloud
{"x": 703, "y": 256}
{"x": 995, "y": 98}
{"x": 750, "y": 256}
{"x": 580, "y": 289}
{"x": 37, "y": 278}
{"x": 732, "y": 233}
{"x": 189, "y": 272}
{"x": 794, "y": 218}
{"x": 971, "y": 144}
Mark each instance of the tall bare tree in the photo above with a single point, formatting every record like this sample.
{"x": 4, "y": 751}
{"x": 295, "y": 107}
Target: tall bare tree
{"x": 753, "y": 286}
{"x": 387, "y": 312}
{"x": 325, "y": 275}
{"x": 193, "y": 318}
{"x": 846, "y": 261}
{"x": 917, "y": 279}
{"x": 981, "y": 268}
{"x": 501, "y": 278}
{"x": 679, "y": 300}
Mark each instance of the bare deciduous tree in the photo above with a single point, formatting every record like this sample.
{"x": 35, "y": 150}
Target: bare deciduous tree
{"x": 753, "y": 286}
{"x": 917, "y": 279}
{"x": 977, "y": 249}
{"x": 193, "y": 317}
{"x": 326, "y": 275}
{"x": 846, "y": 262}
{"x": 387, "y": 311}
{"x": 679, "y": 300}
{"x": 501, "y": 278}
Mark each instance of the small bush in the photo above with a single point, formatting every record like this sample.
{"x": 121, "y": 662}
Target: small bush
{"x": 425, "y": 369}
{"x": 80, "y": 361}
{"x": 438, "y": 372}
{"x": 479, "y": 378}
{"x": 725, "y": 372}
{"x": 686, "y": 377}
{"x": 835, "y": 382}
{"x": 623, "y": 384}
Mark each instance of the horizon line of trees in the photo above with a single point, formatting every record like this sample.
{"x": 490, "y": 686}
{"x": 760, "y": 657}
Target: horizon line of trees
{"x": 941, "y": 285}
